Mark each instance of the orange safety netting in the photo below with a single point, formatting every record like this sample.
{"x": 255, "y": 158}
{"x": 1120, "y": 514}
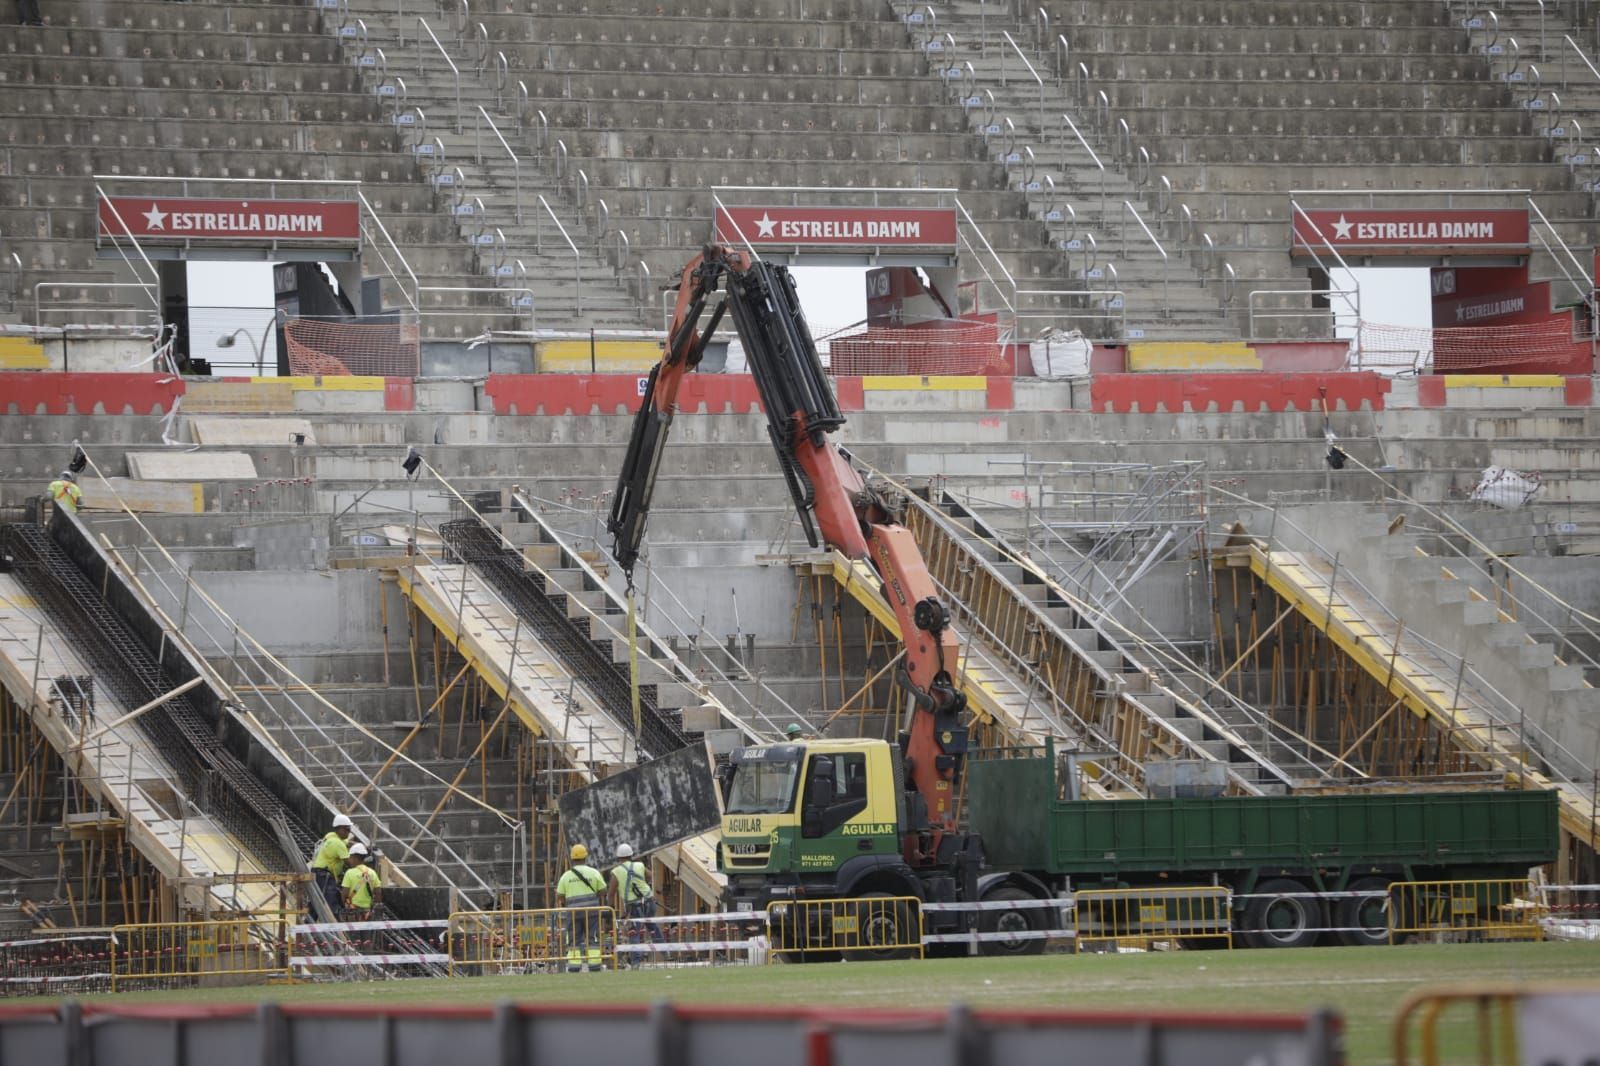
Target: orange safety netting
{"x": 1467, "y": 348}
{"x": 333, "y": 349}
{"x": 948, "y": 347}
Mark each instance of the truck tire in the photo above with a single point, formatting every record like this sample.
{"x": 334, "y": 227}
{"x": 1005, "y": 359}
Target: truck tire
{"x": 1020, "y": 921}
{"x": 886, "y": 932}
{"x": 1289, "y": 921}
{"x": 1363, "y": 922}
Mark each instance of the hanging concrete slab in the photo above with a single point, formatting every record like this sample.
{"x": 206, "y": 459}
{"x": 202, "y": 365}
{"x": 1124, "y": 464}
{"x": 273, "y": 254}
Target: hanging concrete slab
{"x": 251, "y": 432}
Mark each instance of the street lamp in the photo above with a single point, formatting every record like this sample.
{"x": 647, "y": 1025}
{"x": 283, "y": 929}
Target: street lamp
{"x": 227, "y": 341}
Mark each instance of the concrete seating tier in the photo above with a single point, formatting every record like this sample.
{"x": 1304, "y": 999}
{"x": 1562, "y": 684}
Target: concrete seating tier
{"x": 74, "y": 100}
{"x": 215, "y": 91}
{"x": 1390, "y": 14}
{"x": 244, "y": 16}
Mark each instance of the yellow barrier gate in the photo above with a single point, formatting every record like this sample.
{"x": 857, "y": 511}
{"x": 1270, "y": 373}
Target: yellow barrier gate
{"x": 199, "y": 954}
{"x": 1464, "y": 910}
{"x": 548, "y": 940}
{"x": 1141, "y": 916}
{"x": 874, "y": 927}
{"x": 1499, "y": 1025}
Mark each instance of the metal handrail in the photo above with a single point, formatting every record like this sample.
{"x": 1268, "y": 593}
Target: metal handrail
{"x": 1093, "y": 156}
{"x": 1438, "y": 651}
{"x": 1573, "y": 46}
{"x": 40, "y": 308}
{"x": 1311, "y": 312}
{"x": 577, "y": 277}
{"x": 411, "y": 297}
{"x": 1166, "y": 296}
{"x": 1586, "y": 291}
{"x": 150, "y": 294}
{"x": 653, "y": 582}
{"x": 516, "y": 164}
{"x": 454, "y": 70}
{"x": 1014, "y": 47}
{"x": 1355, "y": 306}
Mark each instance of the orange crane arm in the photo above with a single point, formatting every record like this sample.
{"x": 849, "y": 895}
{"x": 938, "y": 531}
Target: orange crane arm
{"x": 836, "y": 506}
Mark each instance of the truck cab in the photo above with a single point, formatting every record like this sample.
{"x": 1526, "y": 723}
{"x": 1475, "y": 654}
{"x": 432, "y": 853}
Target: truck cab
{"x": 822, "y": 818}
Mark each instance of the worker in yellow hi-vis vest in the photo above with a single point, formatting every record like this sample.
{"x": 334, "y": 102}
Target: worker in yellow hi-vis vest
{"x": 580, "y": 889}
{"x": 636, "y": 901}
{"x": 64, "y": 492}
{"x": 362, "y": 888}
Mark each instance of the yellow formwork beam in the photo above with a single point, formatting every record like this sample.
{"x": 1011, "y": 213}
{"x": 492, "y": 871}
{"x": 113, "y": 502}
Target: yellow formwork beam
{"x": 1420, "y": 691}
{"x": 491, "y": 674}
{"x": 858, "y": 579}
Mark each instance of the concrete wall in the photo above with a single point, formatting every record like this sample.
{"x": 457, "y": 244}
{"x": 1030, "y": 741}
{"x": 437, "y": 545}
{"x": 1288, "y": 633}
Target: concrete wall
{"x": 289, "y": 612}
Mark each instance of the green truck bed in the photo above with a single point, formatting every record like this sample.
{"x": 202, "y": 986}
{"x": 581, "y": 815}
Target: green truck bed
{"x": 1012, "y": 804}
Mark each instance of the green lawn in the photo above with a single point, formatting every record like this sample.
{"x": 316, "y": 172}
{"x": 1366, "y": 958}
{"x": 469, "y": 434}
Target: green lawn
{"x": 1364, "y": 984}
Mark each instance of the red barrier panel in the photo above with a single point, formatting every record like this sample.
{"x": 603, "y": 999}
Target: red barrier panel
{"x": 60, "y": 393}
{"x": 581, "y": 394}
{"x": 399, "y": 394}
{"x": 1227, "y": 392}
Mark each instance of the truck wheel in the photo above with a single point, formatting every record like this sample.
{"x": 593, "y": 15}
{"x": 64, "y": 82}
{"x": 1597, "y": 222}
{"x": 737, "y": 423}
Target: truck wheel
{"x": 1020, "y": 921}
{"x": 1363, "y": 921}
{"x": 1287, "y": 921}
{"x": 885, "y": 930}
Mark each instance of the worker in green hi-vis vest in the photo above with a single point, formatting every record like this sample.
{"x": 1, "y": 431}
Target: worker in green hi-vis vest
{"x": 580, "y": 889}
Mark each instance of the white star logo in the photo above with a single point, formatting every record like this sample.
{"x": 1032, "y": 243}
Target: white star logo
{"x": 155, "y": 218}
{"x": 1341, "y": 229}
{"x": 764, "y": 225}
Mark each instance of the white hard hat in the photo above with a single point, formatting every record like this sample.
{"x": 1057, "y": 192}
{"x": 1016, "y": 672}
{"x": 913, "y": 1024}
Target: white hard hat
{"x": 358, "y": 849}
{"x": 625, "y": 851}
{"x": 342, "y": 821}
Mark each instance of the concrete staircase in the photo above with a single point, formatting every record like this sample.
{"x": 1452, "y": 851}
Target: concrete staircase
{"x": 255, "y": 91}
{"x": 1441, "y": 599}
{"x": 1215, "y": 111}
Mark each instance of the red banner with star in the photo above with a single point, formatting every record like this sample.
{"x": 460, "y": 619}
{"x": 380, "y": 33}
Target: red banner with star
{"x": 165, "y": 218}
{"x": 855, "y": 227}
{"x": 1416, "y": 229}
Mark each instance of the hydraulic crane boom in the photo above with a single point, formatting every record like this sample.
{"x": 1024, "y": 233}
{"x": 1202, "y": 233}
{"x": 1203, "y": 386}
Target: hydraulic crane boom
{"x": 836, "y": 507}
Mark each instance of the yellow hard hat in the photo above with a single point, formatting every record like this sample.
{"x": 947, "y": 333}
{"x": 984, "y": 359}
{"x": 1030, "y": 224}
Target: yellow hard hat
{"x": 579, "y": 853}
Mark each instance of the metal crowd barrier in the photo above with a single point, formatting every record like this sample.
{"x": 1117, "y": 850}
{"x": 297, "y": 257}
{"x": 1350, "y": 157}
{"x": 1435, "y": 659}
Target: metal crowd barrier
{"x": 50, "y": 962}
{"x": 1502, "y": 1025}
{"x": 529, "y": 941}
{"x": 199, "y": 954}
{"x": 694, "y": 939}
{"x": 875, "y": 926}
{"x": 355, "y": 947}
{"x": 1140, "y": 916}
{"x": 1464, "y": 910}
{"x": 1059, "y": 929}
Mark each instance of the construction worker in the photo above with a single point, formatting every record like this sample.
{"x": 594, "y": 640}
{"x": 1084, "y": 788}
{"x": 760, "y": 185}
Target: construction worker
{"x": 328, "y": 864}
{"x": 581, "y": 887}
{"x": 361, "y": 886}
{"x": 797, "y": 732}
{"x": 64, "y": 492}
{"x": 633, "y": 897}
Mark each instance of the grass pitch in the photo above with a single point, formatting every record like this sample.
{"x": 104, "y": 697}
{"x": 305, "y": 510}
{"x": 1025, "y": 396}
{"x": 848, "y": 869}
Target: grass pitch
{"x": 1366, "y": 985}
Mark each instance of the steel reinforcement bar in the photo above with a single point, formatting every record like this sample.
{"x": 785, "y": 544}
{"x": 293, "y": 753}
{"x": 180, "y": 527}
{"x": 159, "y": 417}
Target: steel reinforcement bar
{"x": 224, "y": 787}
{"x": 478, "y": 547}
{"x": 1102, "y": 704}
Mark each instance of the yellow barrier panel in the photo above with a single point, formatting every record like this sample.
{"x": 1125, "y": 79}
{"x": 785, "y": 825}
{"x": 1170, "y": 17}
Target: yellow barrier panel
{"x": 874, "y": 927}
{"x": 548, "y": 940}
{"x": 199, "y": 954}
{"x": 1142, "y": 916}
{"x": 1464, "y": 910}
{"x": 1499, "y": 1025}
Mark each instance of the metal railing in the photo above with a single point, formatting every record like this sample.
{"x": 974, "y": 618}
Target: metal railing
{"x": 1506, "y": 725}
{"x": 577, "y": 257}
{"x": 1166, "y": 295}
{"x": 455, "y": 71}
{"x": 516, "y": 164}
